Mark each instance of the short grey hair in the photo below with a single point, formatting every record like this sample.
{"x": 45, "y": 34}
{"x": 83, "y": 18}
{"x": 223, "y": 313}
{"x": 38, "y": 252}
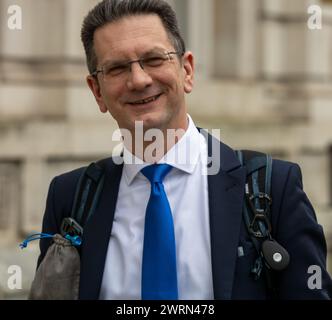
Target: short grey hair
{"x": 109, "y": 11}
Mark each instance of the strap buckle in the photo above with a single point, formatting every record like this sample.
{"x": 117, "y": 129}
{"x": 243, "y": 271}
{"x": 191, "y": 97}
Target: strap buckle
{"x": 71, "y": 227}
{"x": 260, "y": 226}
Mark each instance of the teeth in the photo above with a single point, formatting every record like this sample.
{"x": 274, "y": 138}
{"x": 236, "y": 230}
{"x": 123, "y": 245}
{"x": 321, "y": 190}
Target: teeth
{"x": 147, "y": 100}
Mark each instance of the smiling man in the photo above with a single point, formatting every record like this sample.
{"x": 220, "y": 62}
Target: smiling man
{"x": 142, "y": 72}
{"x": 140, "y": 75}
{"x": 165, "y": 229}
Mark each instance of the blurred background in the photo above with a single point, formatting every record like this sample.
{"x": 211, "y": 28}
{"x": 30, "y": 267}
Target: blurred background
{"x": 263, "y": 76}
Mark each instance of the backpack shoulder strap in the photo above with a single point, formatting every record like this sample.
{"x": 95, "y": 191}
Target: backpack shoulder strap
{"x": 258, "y": 192}
{"x": 257, "y": 217}
{"x": 87, "y": 194}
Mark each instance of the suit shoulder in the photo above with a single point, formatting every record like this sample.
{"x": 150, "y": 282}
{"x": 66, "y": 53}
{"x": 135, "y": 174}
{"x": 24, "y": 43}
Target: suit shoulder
{"x": 283, "y": 169}
{"x": 284, "y": 164}
{"x": 69, "y": 178}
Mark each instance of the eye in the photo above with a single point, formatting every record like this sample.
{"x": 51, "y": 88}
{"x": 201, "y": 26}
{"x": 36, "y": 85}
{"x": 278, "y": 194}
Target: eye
{"x": 154, "y": 61}
{"x": 115, "y": 70}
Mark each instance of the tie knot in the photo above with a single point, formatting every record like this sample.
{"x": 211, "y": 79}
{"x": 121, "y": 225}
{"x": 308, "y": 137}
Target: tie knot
{"x": 156, "y": 172}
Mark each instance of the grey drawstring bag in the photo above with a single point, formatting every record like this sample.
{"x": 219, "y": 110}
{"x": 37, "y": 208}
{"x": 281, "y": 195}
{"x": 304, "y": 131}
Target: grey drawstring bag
{"x": 57, "y": 276}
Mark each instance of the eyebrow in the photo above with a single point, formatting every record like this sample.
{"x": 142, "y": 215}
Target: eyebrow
{"x": 118, "y": 61}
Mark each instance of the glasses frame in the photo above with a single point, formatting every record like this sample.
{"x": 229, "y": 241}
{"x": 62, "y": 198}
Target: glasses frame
{"x": 139, "y": 61}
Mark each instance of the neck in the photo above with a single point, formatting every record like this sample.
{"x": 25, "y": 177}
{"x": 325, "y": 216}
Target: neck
{"x": 151, "y": 145}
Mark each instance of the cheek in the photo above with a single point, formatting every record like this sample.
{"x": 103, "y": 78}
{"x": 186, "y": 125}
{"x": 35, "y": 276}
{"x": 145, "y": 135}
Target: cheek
{"x": 110, "y": 96}
{"x": 177, "y": 88}
{"x": 174, "y": 83}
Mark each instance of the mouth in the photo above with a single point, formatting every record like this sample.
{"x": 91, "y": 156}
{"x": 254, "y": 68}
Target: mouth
{"x": 146, "y": 101}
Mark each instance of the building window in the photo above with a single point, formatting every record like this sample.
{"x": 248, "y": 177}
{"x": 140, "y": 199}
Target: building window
{"x": 9, "y": 196}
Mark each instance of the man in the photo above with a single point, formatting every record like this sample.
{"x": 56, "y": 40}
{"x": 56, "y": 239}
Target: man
{"x": 139, "y": 73}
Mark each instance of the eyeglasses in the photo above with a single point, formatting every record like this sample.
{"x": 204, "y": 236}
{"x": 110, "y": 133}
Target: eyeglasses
{"x": 151, "y": 62}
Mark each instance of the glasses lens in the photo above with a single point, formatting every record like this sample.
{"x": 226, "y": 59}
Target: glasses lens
{"x": 112, "y": 70}
{"x": 155, "y": 60}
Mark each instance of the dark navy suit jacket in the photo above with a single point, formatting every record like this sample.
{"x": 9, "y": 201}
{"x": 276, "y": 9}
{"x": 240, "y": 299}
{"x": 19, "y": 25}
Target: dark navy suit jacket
{"x": 294, "y": 226}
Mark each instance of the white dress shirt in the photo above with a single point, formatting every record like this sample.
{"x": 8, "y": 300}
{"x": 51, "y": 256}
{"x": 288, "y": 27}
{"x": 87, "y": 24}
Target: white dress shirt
{"x": 186, "y": 187}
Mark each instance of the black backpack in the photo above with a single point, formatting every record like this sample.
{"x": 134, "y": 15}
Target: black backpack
{"x": 271, "y": 256}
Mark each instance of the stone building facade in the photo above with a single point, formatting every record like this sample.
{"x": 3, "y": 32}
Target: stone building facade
{"x": 263, "y": 77}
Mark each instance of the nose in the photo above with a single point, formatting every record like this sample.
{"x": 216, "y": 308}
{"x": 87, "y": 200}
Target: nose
{"x": 138, "y": 78}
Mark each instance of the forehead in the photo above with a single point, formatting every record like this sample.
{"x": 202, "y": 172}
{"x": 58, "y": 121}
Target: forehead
{"x": 130, "y": 36}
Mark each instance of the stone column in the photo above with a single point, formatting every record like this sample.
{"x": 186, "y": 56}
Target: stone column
{"x": 80, "y": 103}
{"x": 76, "y": 10}
{"x": 196, "y": 21}
{"x": 31, "y": 60}
{"x": 236, "y": 38}
{"x": 200, "y": 35}
{"x": 248, "y": 48}
{"x": 285, "y": 42}
{"x": 42, "y": 31}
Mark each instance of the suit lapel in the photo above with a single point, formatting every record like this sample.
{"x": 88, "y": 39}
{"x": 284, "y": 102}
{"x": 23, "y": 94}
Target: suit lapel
{"x": 226, "y": 192}
{"x": 97, "y": 234}
{"x": 226, "y": 189}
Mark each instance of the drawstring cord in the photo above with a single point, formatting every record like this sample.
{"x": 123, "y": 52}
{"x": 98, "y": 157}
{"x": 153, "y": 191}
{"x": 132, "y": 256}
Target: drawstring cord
{"x": 75, "y": 240}
{"x": 33, "y": 237}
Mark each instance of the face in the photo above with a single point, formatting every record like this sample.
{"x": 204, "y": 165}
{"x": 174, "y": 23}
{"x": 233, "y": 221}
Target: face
{"x": 127, "y": 95}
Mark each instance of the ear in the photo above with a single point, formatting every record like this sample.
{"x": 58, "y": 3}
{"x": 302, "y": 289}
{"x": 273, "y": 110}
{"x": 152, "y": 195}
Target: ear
{"x": 188, "y": 68}
{"x": 95, "y": 88}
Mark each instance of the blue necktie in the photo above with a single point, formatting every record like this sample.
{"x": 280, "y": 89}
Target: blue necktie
{"x": 159, "y": 280}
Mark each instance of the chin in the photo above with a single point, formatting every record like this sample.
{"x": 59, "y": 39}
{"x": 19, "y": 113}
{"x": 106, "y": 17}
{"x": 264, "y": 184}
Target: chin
{"x": 151, "y": 121}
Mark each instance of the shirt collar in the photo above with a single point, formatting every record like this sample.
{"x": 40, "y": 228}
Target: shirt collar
{"x": 184, "y": 155}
